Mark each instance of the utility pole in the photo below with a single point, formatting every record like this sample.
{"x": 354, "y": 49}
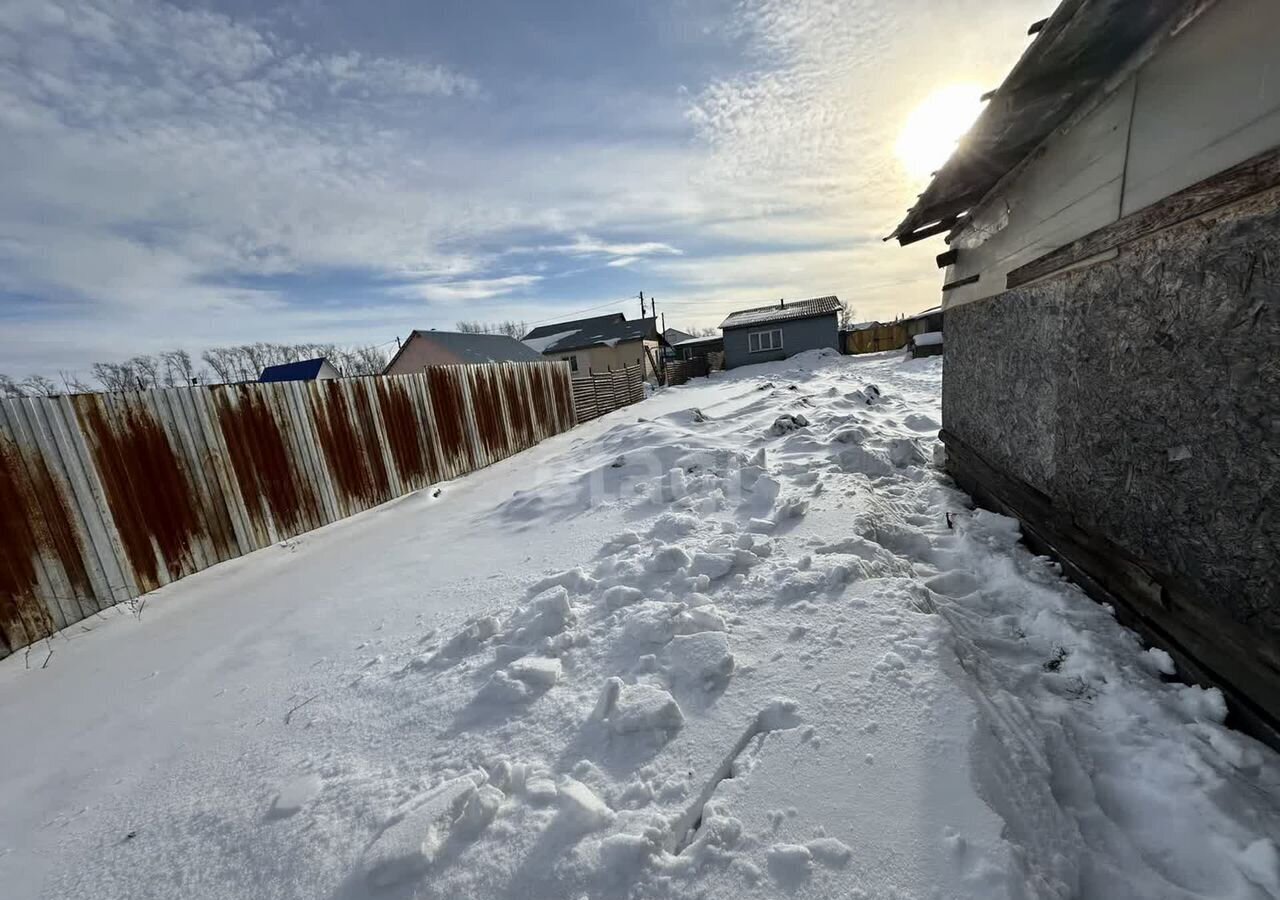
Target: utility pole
{"x": 642, "y": 313}
{"x": 653, "y": 307}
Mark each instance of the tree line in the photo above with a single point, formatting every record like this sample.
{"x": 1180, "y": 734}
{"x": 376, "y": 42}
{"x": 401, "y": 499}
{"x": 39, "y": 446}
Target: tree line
{"x": 510, "y": 328}
{"x": 217, "y": 365}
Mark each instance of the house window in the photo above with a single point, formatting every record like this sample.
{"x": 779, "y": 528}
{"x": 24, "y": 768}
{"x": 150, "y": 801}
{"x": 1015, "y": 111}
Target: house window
{"x": 573, "y": 363}
{"x": 760, "y": 341}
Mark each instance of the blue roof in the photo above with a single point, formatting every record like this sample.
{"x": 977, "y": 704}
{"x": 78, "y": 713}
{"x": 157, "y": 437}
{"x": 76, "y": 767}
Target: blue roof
{"x": 306, "y": 370}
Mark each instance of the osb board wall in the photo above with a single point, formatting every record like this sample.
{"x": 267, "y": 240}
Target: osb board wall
{"x": 1142, "y": 395}
{"x": 105, "y": 497}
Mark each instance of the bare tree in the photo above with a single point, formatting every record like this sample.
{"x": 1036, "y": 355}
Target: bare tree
{"x": 115, "y": 376}
{"x": 177, "y": 367}
{"x": 509, "y": 327}
{"x": 222, "y": 361}
{"x": 848, "y": 315}
{"x": 10, "y": 388}
{"x": 39, "y": 386}
{"x": 71, "y": 381}
{"x": 146, "y": 371}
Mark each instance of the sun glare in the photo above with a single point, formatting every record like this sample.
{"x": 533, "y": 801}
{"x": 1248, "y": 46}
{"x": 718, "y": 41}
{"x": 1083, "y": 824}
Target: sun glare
{"x": 932, "y": 129}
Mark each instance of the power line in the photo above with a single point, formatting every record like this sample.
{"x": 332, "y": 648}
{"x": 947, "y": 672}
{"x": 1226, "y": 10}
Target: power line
{"x": 577, "y": 311}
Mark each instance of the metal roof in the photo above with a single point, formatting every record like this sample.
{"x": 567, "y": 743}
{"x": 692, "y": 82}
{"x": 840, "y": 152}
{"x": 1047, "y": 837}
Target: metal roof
{"x": 306, "y": 370}
{"x": 1074, "y": 53}
{"x": 454, "y": 347}
{"x": 782, "y": 312}
{"x": 598, "y": 331}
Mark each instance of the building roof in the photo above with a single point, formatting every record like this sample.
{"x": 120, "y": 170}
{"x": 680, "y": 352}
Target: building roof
{"x": 1075, "y": 51}
{"x": 695, "y": 341}
{"x": 306, "y": 370}
{"x": 675, "y": 335}
{"x": 782, "y": 312}
{"x": 598, "y": 331}
{"x": 455, "y": 347}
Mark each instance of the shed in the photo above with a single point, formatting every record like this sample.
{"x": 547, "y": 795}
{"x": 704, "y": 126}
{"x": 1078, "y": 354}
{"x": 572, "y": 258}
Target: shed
{"x": 307, "y": 370}
{"x": 779, "y": 330}
{"x": 1113, "y": 322}
{"x": 442, "y": 348}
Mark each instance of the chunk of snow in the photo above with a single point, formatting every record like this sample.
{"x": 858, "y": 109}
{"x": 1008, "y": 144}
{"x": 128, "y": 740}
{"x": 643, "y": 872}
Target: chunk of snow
{"x": 829, "y": 851}
{"x": 700, "y": 660}
{"x": 643, "y": 707}
{"x": 580, "y": 808}
{"x": 408, "y": 846}
{"x": 1160, "y": 661}
{"x": 536, "y": 671}
{"x": 789, "y": 863}
{"x": 621, "y": 595}
{"x": 668, "y": 558}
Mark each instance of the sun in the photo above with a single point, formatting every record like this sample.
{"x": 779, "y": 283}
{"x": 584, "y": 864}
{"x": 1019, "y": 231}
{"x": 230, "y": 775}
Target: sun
{"x": 933, "y": 128}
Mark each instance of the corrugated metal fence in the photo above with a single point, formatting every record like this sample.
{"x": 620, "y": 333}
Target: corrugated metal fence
{"x": 104, "y": 497}
{"x": 603, "y": 392}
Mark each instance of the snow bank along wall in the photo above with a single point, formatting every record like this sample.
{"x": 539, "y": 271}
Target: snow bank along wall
{"x": 104, "y": 497}
{"x": 1113, "y": 376}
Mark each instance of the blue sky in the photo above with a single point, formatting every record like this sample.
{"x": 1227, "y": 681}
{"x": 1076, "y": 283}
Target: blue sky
{"x": 200, "y": 173}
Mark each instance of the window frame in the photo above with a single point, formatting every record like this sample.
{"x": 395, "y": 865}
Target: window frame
{"x": 756, "y": 343}
{"x": 573, "y": 363}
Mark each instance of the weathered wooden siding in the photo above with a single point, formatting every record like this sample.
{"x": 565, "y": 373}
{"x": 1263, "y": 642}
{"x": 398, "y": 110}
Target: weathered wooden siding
{"x": 104, "y": 497}
{"x": 1205, "y": 101}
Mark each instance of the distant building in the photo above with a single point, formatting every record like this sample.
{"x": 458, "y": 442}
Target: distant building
{"x": 600, "y": 343}
{"x": 1113, "y": 321}
{"x": 779, "y": 330}
{"x": 696, "y": 347}
{"x": 306, "y": 370}
{"x": 442, "y": 348}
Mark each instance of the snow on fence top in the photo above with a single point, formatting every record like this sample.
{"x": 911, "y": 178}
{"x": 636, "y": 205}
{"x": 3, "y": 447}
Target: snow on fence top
{"x": 104, "y": 497}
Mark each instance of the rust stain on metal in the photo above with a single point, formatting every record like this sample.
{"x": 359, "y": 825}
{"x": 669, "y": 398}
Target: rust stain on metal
{"x": 413, "y": 454}
{"x": 23, "y": 618}
{"x": 517, "y": 406}
{"x": 379, "y": 479}
{"x": 262, "y": 463}
{"x": 446, "y": 404}
{"x": 150, "y": 498}
{"x": 360, "y": 475}
{"x": 539, "y": 384}
{"x": 564, "y": 397}
{"x": 488, "y": 409}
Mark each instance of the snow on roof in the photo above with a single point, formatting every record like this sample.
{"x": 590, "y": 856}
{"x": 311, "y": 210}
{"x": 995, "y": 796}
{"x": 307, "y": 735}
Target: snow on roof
{"x": 697, "y": 340}
{"x": 782, "y": 312}
{"x": 540, "y": 344}
{"x": 927, "y": 339}
{"x": 607, "y": 331}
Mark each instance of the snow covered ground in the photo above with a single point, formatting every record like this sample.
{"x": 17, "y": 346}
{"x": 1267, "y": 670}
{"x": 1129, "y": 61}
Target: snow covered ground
{"x": 740, "y": 640}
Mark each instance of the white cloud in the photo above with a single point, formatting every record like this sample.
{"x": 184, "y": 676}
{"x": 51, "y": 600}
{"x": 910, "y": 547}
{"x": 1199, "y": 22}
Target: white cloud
{"x": 622, "y": 261}
{"x": 471, "y": 289}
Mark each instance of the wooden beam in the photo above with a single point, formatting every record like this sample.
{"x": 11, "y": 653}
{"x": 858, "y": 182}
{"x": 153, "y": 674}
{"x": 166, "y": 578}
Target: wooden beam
{"x": 1252, "y": 176}
{"x": 1037, "y": 27}
{"x": 960, "y": 282}
{"x": 927, "y": 231}
{"x": 949, "y": 258}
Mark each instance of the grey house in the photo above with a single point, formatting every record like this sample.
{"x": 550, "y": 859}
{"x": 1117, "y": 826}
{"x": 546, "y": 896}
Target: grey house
{"x": 779, "y": 330}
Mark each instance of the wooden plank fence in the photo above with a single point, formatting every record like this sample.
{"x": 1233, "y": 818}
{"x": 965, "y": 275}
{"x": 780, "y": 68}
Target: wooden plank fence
{"x": 603, "y": 392}
{"x": 679, "y": 371}
{"x": 104, "y": 497}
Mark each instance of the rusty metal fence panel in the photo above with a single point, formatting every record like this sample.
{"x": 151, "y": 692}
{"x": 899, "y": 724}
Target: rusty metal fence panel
{"x": 104, "y": 497}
